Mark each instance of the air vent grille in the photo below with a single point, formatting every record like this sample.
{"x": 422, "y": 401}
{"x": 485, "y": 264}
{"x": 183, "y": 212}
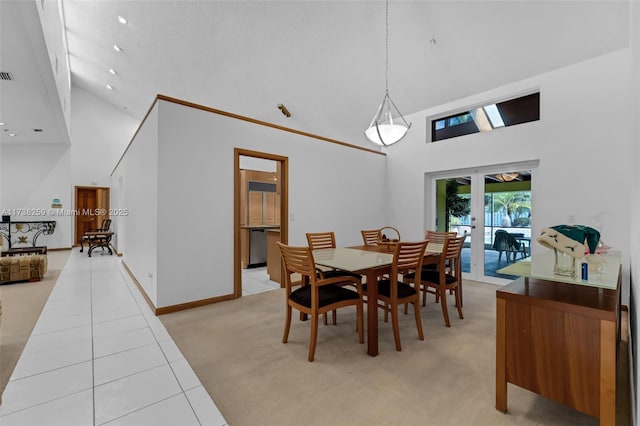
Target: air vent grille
{"x": 5, "y": 76}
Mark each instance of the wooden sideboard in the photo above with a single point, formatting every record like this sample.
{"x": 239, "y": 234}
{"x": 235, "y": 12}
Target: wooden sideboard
{"x": 559, "y": 340}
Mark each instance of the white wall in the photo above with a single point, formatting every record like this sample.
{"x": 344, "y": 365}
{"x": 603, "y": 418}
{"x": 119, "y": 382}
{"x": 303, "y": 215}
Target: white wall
{"x": 32, "y": 176}
{"x": 331, "y": 187}
{"x": 54, "y": 37}
{"x": 94, "y": 154}
{"x": 583, "y": 141}
{"x": 135, "y": 188}
{"x": 634, "y": 188}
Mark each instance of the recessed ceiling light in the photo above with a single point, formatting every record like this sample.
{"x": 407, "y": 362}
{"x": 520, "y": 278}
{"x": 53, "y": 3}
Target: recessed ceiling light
{"x": 112, "y": 71}
{"x": 122, "y": 19}
{"x": 110, "y": 87}
{"x": 117, "y": 48}
{"x": 2, "y": 124}
{"x": 12, "y": 134}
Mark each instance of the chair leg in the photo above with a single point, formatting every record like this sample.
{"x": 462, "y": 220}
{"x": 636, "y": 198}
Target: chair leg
{"x": 360, "y": 322}
{"x": 314, "y": 337}
{"x": 416, "y": 308}
{"x": 424, "y": 294}
{"x": 335, "y": 317}
{"x": 443, "y": 303}
{"x": 396, "y": 327}
{"x": 287, "y": 325}
{"x": 459, "y": 301}
{"x": 325, "y": 317}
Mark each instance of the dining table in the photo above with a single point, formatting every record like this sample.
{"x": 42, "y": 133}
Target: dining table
{"x": 372, "y": 261}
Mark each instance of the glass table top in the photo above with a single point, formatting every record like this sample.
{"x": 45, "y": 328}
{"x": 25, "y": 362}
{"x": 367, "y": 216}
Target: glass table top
{"x": 349, "y": 259}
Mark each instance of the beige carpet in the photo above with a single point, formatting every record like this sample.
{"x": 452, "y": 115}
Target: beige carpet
{"x": 21, "y": 306}
{"x": 235, "y": 349}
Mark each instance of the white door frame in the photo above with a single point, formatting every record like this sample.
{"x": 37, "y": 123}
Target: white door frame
{"x": 477, "y": 208}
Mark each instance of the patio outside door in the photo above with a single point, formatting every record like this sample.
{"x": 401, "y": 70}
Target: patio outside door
{"x": 478, "y": 205}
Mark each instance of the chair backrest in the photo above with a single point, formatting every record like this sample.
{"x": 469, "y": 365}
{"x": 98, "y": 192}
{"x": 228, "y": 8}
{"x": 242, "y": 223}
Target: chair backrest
{"x": 408, "y": 257}
{"x": 501, "y": 240}
{"x": 321, "y": 240}
{"x": 370, "y": 236}
{"x": 439, "y": 236}
{"x": 106, "y": 224}
{"x": 451, "y": 255}
{"x": 296, "y": 260}
{"x": 504, "y": 241}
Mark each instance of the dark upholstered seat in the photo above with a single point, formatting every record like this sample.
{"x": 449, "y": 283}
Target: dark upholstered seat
{"x": 328, "y": 295}
{"x": 448, "y": 276}
{"x": 317, "y": 294}
{"x": 392, "y": 292}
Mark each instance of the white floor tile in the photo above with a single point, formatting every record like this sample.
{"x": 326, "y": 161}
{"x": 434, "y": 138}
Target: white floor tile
{"x": 124, "y": 396}
{"x": 76, "y": 409}
{"x": 63, "y": 356}
{"x": 98, "y": 342}
{"x": 45, "y": 387}
{"x": 120, "y": 342}
{"x": 205, "y": 408}
{"x": 119, "y": 325}
{"x": 49, "y": 325}
{"x": 122, "y": 364}
{"x": 171, "y": 350}
{"x": 169, "y": 412}
{"x": 186, "y": 377}
{"x": 57, "y": 339}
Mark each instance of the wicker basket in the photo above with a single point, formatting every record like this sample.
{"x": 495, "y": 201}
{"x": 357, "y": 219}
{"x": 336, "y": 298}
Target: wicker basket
{"x": 388, "y": 237}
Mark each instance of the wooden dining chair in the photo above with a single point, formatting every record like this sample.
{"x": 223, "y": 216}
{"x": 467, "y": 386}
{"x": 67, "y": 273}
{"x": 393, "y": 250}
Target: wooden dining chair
{"x": 439, "y": 236}
{"x": 370, "y": 236}
{"x": 324, "y": 240}
{"x": 393, "y": 292}
{"x": 444, "y": 278}
{"x": 320, "y": 296}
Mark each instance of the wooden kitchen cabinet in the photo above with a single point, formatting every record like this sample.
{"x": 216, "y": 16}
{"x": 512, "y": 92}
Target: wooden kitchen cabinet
{"x": 272, "y": 208}
{"x": 261, "y": 206}
{"x": 274, "y": 262}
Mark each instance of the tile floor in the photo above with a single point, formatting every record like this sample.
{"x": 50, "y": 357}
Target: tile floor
{"x": 256, "y": 280}
{"x": 98, "y": 356}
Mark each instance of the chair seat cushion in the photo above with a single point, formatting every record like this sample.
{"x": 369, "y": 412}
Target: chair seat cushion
{"x": 432, "y": 276}
{"x": 384, "y": 289}
{"x": 329, "y": 294}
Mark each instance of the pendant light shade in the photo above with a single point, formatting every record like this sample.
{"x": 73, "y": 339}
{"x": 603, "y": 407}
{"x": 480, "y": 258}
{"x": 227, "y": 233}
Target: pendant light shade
{"x": 388, "y": 125}
{"x": 384, "y": 130}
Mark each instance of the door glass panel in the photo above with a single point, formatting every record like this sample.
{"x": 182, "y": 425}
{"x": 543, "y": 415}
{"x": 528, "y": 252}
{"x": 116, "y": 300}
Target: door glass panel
{"x": 494, "y": 212}
{"x": 507, "y": 220}
{"x": 453, "y": 211}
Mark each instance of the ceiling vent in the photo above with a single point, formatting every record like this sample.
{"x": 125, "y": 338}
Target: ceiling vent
{"x": 6, "y": 76}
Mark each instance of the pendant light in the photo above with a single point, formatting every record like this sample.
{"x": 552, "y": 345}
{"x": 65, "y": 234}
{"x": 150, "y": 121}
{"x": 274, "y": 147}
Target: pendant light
{"x": 384, "y": 129}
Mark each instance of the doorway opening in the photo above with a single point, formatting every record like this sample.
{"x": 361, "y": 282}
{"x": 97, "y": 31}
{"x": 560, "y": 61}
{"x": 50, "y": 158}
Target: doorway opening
{"x": 260, "y": 219}
{"x": 91, "y": 208}
{"x": 493, "y": 208}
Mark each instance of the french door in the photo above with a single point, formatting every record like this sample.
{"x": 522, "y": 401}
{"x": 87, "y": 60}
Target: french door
{"x": 478, "y": 203}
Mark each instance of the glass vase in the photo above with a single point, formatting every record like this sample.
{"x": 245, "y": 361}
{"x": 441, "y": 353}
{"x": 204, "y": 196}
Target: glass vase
{"x": 564, "y": 264}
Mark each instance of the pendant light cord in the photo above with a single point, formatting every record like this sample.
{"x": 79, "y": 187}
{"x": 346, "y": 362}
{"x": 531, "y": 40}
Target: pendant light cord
{"x": 386, "y": 83}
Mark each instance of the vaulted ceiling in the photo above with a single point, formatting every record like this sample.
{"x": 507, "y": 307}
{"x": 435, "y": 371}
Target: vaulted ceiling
{"x": 324, "y": 60}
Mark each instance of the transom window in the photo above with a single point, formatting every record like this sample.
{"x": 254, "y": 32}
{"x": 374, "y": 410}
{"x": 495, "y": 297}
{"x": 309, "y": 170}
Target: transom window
{"x": 487, "y": 118}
